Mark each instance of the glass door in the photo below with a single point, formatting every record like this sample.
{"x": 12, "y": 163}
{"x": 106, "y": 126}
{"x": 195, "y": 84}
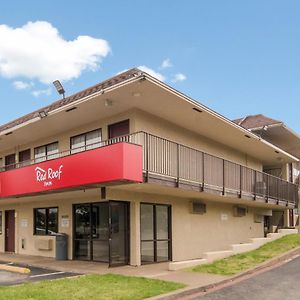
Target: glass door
{"x": 119, "y": 233}
{"x": 82, "y": 231}
{"x": 155, "y": 233}
{"x": 101, "y": 232}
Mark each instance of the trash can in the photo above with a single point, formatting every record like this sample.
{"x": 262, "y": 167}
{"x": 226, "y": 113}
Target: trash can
{"x": 61, "y": 246}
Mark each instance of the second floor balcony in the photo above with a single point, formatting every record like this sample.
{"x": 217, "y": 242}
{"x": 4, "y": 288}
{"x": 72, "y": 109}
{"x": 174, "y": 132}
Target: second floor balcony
{"x": 173, "y": 164}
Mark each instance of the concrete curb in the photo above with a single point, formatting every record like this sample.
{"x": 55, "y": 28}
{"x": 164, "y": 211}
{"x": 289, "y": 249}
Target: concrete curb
{"x": 267, "y": 265}
{"x": 14, "y": 269}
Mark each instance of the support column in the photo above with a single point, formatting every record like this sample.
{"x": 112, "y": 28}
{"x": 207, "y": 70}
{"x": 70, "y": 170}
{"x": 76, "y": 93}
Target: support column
{"x": 135, "y": 245}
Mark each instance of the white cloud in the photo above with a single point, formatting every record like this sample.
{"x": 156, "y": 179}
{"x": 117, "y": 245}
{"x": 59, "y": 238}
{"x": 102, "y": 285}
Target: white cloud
{"x": 45, "y": 92}
{"x": 152, "y": 73}
{"x": 166, "y": 64}
{"x": 179, "y": 77}
{"x": 37, "y": 51}
{"x": 22, "y": 85}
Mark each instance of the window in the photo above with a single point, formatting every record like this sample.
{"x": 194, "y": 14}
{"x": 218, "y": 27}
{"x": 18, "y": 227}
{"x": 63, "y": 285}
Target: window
{"x": 10, "y": 161}
{"x": 45, "y": 221}
{"x": 46, "y": 152}
{"x": 86, "y": 141}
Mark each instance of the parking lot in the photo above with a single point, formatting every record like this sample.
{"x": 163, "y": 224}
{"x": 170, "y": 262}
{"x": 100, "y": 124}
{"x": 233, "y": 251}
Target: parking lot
{"x": 36, "y": 274}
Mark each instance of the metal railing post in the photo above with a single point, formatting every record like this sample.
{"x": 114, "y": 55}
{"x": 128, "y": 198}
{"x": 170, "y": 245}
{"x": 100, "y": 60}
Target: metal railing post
{"x": 178, "y": 162}
{"x": 203, "y": 170}
{"x": 223, "y": 192}
{"x": 241, "y": 181}
{"x": 254, "y": 194}
{"x": 147, "y": 157}
{"x": 268, "y": 189}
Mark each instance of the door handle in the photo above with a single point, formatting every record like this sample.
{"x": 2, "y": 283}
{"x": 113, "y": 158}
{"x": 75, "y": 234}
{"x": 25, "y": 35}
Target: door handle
{"x": 7, "y": 232}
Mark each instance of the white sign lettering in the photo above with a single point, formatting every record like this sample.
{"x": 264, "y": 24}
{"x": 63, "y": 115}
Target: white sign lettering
{"x": 46, "y": 176}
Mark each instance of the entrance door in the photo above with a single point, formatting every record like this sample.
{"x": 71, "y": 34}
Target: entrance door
{"x": 10, "y": 230}
{"x": 119, "y": 233}
{"x": 101, "y": 232}
{"x": 10, "y": 162}
{"x": 155, "y": 233}
{"x": 291, "y": 218}
{"x": 118, "y": 129}
{"x": 24, "y": 158}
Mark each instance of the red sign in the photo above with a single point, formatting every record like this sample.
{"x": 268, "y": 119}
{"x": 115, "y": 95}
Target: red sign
{"x": 113, "y": 163}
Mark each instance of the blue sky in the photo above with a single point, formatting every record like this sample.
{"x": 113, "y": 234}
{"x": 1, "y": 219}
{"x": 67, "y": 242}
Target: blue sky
{"x": 237, "y": 57}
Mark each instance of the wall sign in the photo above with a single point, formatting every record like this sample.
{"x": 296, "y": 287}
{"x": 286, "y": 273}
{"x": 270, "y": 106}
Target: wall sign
{"x": 24, "y": 223}
{"x": 224, "y": 217}
{"x": 65, "y": 223}
{"x": 114, "y": 163}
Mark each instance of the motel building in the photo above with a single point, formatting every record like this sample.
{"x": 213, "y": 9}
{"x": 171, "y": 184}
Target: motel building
{"x": 135, "y": 172}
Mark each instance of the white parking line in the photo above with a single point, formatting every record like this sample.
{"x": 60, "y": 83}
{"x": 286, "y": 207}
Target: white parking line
{"x": 47, "y": 274}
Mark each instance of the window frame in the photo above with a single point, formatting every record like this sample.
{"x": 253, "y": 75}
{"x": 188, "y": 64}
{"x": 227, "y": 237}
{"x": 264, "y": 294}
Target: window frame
{"x": 47, "y": 220}
{"x": 46, "y": 151}
{"x": 155, "y": 239}
{"x": 85, "y": 145}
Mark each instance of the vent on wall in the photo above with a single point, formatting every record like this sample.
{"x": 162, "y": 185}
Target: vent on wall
{"x": 197, "y": 207}
{"x": 239, "y": 211}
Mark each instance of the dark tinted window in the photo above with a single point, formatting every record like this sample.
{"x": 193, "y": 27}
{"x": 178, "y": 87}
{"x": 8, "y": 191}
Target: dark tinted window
{"x": 45, "y": 221}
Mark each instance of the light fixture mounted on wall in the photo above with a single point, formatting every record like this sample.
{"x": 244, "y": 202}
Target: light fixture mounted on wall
{"x": 42, "y": 114}
{"x": 108, "y": 102}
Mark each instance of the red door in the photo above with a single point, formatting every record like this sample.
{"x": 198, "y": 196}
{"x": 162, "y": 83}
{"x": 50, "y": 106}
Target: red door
{"x": 10, "y": 230}
{"x": 118, "y": 129}
{"x": 291, "y": 218}
{"x": 24, "y": 158}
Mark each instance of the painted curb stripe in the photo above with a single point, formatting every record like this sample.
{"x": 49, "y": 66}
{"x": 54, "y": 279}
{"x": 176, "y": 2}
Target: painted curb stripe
{"x": 14, "y": 269}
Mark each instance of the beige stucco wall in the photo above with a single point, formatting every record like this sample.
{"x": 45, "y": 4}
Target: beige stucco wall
{"x": 157, "y": 126}
{"x": 142, "y": 121}
{"x": 192, "y": 234}
{"x": 64, "y": 137}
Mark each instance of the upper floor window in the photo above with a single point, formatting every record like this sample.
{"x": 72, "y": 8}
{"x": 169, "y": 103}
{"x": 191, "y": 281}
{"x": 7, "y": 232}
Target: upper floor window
{"x": 46, "y": 152}
{"x": 10, "y": 161}
{"x": 86, "y": 141}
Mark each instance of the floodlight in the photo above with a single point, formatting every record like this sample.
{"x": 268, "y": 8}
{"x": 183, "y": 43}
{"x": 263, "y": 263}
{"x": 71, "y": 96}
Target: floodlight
{"x": 59, "y": 87}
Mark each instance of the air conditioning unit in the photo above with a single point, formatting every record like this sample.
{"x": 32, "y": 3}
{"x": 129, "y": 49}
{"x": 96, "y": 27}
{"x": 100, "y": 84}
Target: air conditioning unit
{"x": 197, "y": 207}
{"x": 239, "y": 211}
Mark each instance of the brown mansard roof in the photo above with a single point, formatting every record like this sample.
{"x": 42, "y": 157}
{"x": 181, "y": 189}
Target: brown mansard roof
{"x": 255, "y": 121}
{"x": 63, "y": 102}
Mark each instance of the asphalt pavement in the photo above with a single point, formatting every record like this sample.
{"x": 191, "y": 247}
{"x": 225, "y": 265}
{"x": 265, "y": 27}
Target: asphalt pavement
{"x": 281, "y": 283}
{"x": 36, "y": 274}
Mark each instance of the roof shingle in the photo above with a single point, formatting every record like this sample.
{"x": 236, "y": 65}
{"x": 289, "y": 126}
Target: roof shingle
{"x": 255, "y": 121}
{"x": 63, "y": 102}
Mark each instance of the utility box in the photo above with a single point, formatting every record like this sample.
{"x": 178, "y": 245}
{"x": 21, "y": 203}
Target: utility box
{"x": 61, "y": 246}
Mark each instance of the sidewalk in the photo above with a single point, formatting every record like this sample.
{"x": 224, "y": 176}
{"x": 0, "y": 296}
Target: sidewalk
{"x": 197, "y": 283}
{"x": 156, "y": 271}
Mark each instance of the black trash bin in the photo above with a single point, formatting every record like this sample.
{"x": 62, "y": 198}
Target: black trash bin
{"x": 61, "y": 246}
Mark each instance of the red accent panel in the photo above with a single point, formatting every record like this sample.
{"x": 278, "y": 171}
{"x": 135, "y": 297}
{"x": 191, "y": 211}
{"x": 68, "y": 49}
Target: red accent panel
{"x": 112, "y": 163}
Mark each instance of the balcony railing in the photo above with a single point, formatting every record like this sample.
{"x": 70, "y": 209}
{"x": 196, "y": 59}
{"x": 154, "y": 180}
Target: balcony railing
{"x": 185, "y": 165}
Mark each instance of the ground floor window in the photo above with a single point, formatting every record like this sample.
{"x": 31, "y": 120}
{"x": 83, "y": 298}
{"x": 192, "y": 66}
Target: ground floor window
{"x": 155, "y": 233}
{"x": 45, "y": 221}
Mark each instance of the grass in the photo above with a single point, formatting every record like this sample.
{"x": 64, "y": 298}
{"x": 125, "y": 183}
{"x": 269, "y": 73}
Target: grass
{"x": 90, "y": 287}
{"x": 242, "y": 262}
